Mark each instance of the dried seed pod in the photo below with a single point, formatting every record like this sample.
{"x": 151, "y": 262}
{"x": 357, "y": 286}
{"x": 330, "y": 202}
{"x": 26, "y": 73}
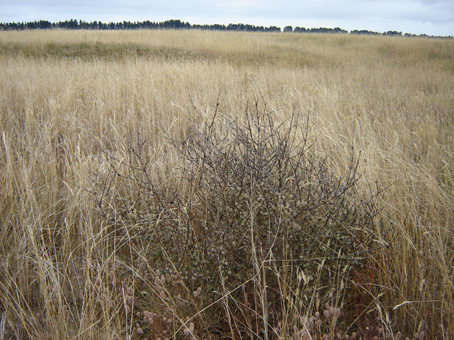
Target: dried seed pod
{"x": 129, "y": 300}
{"x": 65, "y": 310}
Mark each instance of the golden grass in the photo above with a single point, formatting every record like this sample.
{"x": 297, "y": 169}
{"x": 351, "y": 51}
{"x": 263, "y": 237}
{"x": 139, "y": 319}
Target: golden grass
{"x": 68, "y": 96}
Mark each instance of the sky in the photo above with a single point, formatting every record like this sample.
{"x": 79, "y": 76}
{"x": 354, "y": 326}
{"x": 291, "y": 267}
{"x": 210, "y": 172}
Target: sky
{"x": 432, "y": 17}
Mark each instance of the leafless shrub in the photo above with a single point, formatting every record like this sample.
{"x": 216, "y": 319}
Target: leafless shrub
{"x": 255, "y": 210}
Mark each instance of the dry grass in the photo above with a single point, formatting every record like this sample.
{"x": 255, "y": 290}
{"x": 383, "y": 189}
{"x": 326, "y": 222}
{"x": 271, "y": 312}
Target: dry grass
{"x": 67, "y": 98}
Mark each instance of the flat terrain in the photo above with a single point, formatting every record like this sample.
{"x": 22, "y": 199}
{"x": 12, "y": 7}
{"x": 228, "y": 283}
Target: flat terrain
{"x": 76, "y": 104}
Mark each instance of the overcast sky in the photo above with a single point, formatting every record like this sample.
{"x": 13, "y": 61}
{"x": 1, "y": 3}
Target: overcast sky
{"x": 433, "y": 17}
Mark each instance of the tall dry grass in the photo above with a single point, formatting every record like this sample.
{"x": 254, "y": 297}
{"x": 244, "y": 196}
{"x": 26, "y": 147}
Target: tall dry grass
{"x": 69, "y": 98}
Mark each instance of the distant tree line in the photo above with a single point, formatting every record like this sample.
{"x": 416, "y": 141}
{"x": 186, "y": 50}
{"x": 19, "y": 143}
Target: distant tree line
{"x": 178, "y": 24}
{"x": 128, "y": 25}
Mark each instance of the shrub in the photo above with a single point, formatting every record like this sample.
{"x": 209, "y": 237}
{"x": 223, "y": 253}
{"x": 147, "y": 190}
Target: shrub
{"x": 256, "y": 217}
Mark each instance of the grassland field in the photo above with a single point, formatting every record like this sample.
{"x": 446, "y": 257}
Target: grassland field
{"x": 73, "y": 104}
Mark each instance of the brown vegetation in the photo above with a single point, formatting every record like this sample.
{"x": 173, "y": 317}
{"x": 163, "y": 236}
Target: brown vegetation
{"x": 117, "y": 154}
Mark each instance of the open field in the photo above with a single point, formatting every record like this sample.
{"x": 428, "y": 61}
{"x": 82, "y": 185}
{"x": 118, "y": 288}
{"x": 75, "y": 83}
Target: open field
{"x": 117, "y": 156}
